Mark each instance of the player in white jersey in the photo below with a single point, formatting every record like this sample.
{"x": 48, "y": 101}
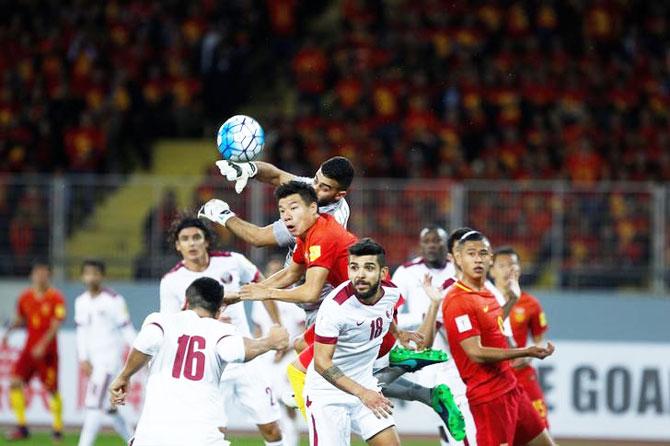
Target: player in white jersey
{"x": 189, "y": 351}
{"x": 331, "y": 182}
{"x": 409, "y": 278}
{"x": 104, "y": 331}
{"x": 273, "y": 365}
{"x": 341, "y": 393}
{"x": 241, "y": 382}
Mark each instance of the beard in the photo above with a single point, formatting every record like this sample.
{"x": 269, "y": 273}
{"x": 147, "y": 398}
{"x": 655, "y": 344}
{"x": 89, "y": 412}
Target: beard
{"x": 322, "y": 203}
{"x": 371, "y": 292}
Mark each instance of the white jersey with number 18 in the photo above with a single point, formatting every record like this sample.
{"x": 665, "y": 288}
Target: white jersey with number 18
{"x": 183, "y": 403}
{"x": 357, "y": 330}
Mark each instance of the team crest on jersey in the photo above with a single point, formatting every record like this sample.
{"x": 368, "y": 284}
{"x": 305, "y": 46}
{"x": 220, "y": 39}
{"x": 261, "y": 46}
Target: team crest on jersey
{"x": 519, "y": 314}
{"x": 227, "y": 278}
{"x": 46, "y": 308}
{"x": 314, "y": 252}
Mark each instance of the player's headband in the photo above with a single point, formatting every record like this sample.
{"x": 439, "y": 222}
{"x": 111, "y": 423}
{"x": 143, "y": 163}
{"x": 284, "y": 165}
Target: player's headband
{"x": 469, "y": 234}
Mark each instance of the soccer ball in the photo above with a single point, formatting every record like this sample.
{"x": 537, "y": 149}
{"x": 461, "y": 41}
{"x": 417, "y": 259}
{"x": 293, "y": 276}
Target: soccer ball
{"x": 240, "y": 139}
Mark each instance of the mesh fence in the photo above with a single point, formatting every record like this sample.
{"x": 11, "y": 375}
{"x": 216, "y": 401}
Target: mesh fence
{"x": 603, "y": 236}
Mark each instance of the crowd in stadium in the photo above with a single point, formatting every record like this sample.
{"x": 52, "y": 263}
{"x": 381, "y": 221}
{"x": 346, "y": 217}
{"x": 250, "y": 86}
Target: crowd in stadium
{"x": 557, "y": 90}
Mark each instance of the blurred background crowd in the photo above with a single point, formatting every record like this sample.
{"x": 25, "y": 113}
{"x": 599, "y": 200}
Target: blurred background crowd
{"x": 451, "y": 91}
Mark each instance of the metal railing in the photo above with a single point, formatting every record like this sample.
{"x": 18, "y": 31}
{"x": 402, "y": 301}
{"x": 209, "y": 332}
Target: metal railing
{"x": 610, "y": 235}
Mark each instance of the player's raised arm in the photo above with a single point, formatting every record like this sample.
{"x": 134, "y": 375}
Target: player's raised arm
{"x": 219, "y": 212}
{"x": 261, "y": 171}
{"x": 427, "y": 327}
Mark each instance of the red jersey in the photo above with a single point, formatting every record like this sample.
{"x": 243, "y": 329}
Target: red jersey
{"x": 39, "y": 312}
{"x": 326, "y": 244}
{"x": 469, "y": 313}
{"x": 527, "y": 316}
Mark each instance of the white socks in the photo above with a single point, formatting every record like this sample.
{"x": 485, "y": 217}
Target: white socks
{"x": 92, "y": 422}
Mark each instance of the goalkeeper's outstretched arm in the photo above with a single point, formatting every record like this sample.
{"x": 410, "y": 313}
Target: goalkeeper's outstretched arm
{"x": 219, "y": 212}
{"x": 271, "y": 174}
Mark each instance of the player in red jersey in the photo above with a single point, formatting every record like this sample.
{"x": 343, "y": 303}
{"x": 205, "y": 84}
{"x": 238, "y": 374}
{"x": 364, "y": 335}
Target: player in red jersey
{"x": 41, "y": 310}
{"x": 321, "y": 256}
{"x": 473, "y": 320}
{"x": 526, "y": 317}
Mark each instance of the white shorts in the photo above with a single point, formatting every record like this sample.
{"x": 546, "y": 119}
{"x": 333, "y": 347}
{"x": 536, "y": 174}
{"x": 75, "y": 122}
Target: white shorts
{"x": 252, "y": 391}
{"x": 208, "y": 436}
{"x": 96, "y": 389}
{"x": 331, "y": 424}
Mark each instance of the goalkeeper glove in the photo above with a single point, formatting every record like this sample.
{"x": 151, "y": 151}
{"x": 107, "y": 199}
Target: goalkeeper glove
{"x": 237, "y": 172}
{"x": 217, "y": 211}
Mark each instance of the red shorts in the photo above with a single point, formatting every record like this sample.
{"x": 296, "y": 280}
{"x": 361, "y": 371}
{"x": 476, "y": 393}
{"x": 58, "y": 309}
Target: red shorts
{"x": 509, "y": 419}
{"x": 527, "y": 379}
{"x": 46, "y": 368}
{"x": 306, "y": 356}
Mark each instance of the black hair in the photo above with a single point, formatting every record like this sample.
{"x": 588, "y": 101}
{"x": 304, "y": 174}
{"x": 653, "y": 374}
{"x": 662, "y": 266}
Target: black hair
{"x": 95, "y": 263}
{"x": 205, "y": 293}
{"x": 40, "y": 262}
{"x": 505, "y": 251}
{"x": 306, "y": 191}
{"x": 368, "y": 247}
{"x": 339, "y": 168}
{"x": 189, "y": 221}
{"x": 455, "y": 236}
{"x": 441, "y": 232}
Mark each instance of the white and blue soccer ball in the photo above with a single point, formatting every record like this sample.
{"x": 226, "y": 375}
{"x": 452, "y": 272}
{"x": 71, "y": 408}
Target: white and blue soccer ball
{"x": 240, "y": 139}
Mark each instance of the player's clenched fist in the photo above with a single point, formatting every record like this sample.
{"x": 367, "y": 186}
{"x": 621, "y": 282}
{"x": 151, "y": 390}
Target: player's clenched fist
{"x": 540, "y": 352}
{"x": 118, "y": 390}
{"x": 278, "y": 336}
{"x": 217, "y": 211}
{"x": 237, "y": 172}
{"x": 381, "y": 406}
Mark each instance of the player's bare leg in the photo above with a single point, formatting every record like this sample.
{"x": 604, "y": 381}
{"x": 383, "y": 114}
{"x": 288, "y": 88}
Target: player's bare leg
{"x": 544, "y": 439}
{"x": 387, "y": 437}
{"x": 271, "y": 433}
{"x": 17, "y": 401}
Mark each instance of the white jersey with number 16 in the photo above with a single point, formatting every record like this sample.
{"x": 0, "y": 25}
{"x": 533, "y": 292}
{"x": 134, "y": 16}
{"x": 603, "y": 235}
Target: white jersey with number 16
{"x": 183, "y": 403}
